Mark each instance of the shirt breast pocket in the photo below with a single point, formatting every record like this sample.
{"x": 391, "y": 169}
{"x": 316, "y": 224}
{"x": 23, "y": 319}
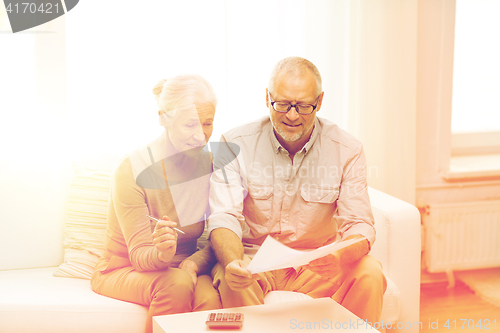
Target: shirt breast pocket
{"x": 318, "y": 207}
{"x": 258, "y": 208}
{"x": 325, "y": 194}
{"x": 260, "y": 191}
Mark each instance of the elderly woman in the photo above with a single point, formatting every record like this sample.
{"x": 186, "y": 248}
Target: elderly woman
{"x": 155, "y": 262}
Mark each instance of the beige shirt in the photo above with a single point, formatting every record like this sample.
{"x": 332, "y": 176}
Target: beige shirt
{"x": 256, "y": 190}
{"x": 129, "y": 231}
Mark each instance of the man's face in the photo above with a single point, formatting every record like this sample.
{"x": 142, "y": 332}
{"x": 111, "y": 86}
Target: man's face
{"x": 294, "y": 89}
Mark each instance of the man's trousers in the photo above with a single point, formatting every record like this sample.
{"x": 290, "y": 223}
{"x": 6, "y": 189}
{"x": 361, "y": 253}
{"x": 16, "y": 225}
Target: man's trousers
{"x": 359, "y": 287}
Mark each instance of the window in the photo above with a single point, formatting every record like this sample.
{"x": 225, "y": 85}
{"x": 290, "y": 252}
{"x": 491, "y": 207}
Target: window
{"x": 476, "y": 78}
{"x": 475, "y": 123}
{"x": 17, "y": 84}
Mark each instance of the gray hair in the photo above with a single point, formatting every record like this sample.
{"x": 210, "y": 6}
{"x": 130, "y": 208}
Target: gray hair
{"x": 183, "y": 90}
{"x": 294, "y": 65}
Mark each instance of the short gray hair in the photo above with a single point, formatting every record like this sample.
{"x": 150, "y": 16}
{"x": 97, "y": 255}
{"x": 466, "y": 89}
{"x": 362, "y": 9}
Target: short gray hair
{"x": 294, "y": 65}
{"x": 183, "y": 90}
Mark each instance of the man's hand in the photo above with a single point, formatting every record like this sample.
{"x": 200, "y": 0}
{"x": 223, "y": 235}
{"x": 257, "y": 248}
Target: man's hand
{"x": 329, "y": 265}
{"x": 165, "y": 239}
{"x": 237, "y": 276}
{"x": 229, "y": 251}
{"x": 326, "y": 266}
{"x": 191, "y": 268}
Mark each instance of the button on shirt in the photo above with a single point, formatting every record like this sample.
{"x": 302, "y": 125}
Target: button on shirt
{"x": 256, "y": 189}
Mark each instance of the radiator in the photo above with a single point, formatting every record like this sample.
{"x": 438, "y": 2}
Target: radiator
{"x": 462, "y": 236}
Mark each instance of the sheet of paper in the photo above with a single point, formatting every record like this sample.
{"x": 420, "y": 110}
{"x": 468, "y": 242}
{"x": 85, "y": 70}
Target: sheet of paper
{"x": 274, "y": 255}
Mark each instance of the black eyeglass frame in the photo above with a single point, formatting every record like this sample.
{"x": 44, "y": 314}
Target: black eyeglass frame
{"x": 290, "y": 105}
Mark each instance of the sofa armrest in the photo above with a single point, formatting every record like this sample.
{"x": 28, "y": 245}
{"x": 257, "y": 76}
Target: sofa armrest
{"x": 397, "y": 247}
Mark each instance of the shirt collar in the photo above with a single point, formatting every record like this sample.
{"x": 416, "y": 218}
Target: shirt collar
{"x": 278, "y": 147}
{"x": 313, "y": 137}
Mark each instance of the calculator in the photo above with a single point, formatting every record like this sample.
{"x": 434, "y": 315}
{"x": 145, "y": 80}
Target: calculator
{"x": 225, "y": 320}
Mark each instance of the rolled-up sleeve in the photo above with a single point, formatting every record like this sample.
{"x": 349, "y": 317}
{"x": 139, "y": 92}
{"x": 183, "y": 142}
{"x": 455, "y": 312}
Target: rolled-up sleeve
{"x": 226, "y": 189}
{"x": 355, "y": 216}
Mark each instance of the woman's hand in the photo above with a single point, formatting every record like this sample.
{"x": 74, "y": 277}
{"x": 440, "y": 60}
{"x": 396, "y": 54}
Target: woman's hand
{"x": 165, "y": 239}
{"x": 191, "y": 268}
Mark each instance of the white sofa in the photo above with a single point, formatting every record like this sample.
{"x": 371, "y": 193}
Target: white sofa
{"x": 31, "y": 247}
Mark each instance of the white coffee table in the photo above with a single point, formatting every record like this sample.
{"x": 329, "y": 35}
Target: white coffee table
{"x": 315, "y": 315}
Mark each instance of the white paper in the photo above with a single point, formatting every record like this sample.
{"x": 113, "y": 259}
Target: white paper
{"x": 274, "y": 255}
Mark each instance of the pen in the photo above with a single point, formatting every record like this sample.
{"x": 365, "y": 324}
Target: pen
{"x": 158, "y": 220}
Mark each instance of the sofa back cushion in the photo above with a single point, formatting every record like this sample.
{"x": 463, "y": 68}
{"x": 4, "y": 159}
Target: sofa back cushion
{"x": 85, "y": 223}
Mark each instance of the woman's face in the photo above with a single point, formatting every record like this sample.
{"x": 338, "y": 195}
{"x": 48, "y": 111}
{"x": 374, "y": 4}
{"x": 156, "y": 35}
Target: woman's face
{"x": 191, "y": 128}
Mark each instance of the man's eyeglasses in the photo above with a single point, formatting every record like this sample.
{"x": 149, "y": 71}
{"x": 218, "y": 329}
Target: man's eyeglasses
{"x": 300, "y": 108}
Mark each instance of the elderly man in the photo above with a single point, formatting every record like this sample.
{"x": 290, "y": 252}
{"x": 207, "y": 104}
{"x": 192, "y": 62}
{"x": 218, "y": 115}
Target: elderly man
{"x": 300, "y": 179}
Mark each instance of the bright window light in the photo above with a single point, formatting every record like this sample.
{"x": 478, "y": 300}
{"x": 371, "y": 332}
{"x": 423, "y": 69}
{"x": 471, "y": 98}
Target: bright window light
{"x": 476, "y": 77}
{"x": 17, "y": 92}
{"x": 115, "y": 58}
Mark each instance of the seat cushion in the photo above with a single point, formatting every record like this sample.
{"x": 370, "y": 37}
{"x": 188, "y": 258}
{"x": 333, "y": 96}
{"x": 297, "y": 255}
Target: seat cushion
{"x": 33, "y": 300}
{"x": 390, "y": 308}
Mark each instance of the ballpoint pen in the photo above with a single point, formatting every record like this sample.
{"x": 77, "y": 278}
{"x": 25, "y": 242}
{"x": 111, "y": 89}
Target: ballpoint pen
{"x": 158, "y": 220}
